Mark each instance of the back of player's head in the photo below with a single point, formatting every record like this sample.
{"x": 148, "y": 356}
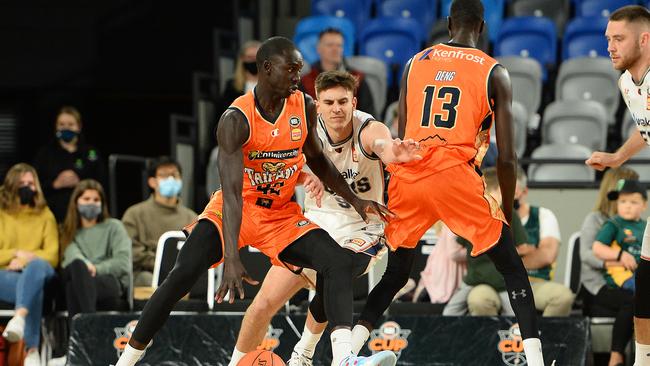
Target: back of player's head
{"x": 274, "y": 46}
{"x": 332, "y": 79}
{"x": 491, "y": 179}
{"x": 466, "y": 13}
{"x": 632, "y": 14}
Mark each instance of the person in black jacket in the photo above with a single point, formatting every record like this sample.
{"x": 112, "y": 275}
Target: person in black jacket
{"x": 65, "y": 161}
{"x": 244, "y": 78}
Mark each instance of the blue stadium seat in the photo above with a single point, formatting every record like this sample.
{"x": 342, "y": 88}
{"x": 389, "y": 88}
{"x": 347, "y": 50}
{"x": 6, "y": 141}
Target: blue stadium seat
{"x": 419, "y": 10}
{"x": 494, "y": 10}
{"x": 391, "y": 39}
{"x": 533, "y": 37}
{"x": 590, "y": 8}
{"x": 585, "y": 37}
{"x": 308, "y": 29}
{"x": 357, "y": 11}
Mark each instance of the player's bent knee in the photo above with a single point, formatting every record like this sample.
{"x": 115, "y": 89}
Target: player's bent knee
{"x": 262, "y": 307}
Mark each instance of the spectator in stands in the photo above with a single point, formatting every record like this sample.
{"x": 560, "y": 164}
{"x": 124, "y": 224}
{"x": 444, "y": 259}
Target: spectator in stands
{"x": 96, "y": 251}
{"x": 146, "y": 221}
{"x": 66, "y": 160}
{"x": 330, "y": 50}
{"x": 29, "y": 245}
{"x": 244, "y": 79}
{"x": 483, "y": 291}
{"x": 540, "y": 253}
{"x": 618, "y": 244}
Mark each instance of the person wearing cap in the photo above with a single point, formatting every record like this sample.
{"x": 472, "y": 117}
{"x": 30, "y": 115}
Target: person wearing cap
{"x": 618, "y": 244}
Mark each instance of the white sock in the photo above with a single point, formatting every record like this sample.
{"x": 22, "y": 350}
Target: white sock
{"x": 642, "y": 354}
{"x": 130, "y": 356}
{"x": 341, "y": 345}
{"x": 533, "y": 351}
{"x": 307, "y": 343}
{"x": 236, "y": 357}
{"x": 360, "y": 335}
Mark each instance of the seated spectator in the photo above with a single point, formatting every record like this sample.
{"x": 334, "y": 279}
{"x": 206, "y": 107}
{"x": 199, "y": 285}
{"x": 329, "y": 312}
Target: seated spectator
{"x": 618, "y": 243}
{"x": 244, "y": 79}
{"x": 483, "y": 291}
{"x": 65, "y": 161}
{"x": 29, "y": 245}
{"x": 330, "y": 50}
{"x": 146, "y": 221}
{"x": 540, "y": 253}
{"x": 96, "y": 251}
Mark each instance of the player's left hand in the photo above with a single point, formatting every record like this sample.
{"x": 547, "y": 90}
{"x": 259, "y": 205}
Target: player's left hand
{"x": 365, "y": 207}
{"x": 233, "y": 274}
{"x": 405, "y": 150}
{"x": 313, "y": 186}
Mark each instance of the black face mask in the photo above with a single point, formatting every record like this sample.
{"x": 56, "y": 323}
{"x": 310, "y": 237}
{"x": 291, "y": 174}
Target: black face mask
{"x": 516, "y": 204}
{"x": 251, "y": 67}
{"x": 26, "y": 195}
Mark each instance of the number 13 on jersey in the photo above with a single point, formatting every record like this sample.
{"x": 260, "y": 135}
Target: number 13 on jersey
{"x": 445, "y": 117}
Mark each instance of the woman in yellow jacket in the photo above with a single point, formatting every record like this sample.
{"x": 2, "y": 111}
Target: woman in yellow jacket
{"x": 29, "y": 247}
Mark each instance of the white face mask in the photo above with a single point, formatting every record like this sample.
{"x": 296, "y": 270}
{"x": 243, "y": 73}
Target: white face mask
{"x": 170, "y": 187}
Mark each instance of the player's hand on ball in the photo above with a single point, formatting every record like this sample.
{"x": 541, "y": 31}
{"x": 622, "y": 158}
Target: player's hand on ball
{"x": 313, "y": 186}
{"x": 233, "y": 273}
{"x": 601, "y": 160}
{"x": 405, "y": 150}
{"x": 365, "y": 207}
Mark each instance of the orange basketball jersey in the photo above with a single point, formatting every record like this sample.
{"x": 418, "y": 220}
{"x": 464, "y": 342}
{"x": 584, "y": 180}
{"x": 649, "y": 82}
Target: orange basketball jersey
{"x": 447, "y": 107}
{"x": 273, "y": 155}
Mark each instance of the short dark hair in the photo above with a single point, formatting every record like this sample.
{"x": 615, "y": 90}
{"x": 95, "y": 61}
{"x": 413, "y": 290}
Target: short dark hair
{"x": 162, "y": 161}
{"x": 274, "y": 46}
{"x": 491, "y": 178}
{"x": 632, "y": 14}
{"x": 331, "y": 79}
{"x": 466, "y": 13}
{"x": 329, "y": 30}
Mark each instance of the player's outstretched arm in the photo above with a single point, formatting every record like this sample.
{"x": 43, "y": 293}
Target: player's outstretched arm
{"x": 501, "y": 94}
{"x": 376, "y": 137}
{"x": 232, "y": 133}
{"x": 327, "y": 172}
{"x": 600, "y": 160}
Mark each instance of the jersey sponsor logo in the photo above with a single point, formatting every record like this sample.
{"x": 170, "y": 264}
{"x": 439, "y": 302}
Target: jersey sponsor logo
{"x": 273, "y": 167}
{"x": 270, "y": 174}
{"x": 445, "y": 75}
{"x": 389, "y": 337}
{"x": 511, "y": 346}
{"x": 457, "y": 54}
{"x": 122, "y": 336}
{"x": 271, "y": 340}
{"x": 275, "y": 132}
{"x": 302, "y": 223}
{"x": 294, "y": 121}
{"x": 349, "y": 174}
{"x": 278, "y": 154}
{"x": 296, "y": 134}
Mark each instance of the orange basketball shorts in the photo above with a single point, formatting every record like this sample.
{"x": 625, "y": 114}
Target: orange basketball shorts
{"x": 270, "y": 230}
{"x": 455, "y": 195}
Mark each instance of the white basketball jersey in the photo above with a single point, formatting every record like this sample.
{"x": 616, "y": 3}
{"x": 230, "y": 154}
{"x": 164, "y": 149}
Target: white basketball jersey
{"x": 361, "y": 169}
{"x": 637, "y": 99}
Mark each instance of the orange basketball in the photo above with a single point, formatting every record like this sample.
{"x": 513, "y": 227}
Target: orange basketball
{"x": 261, "y": 358}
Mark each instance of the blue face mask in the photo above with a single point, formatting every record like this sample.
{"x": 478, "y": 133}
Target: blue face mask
{"x": 170, "y": 187}
{"x": 66, "y": 135}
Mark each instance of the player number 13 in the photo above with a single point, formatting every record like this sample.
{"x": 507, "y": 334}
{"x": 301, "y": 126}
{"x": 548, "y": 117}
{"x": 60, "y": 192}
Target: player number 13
{"x": 450, "y": 97}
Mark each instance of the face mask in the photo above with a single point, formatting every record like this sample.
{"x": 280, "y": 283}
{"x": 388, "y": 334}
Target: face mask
{"x": 516, "y": 204}
{"x": 26, "y": 195}
{"x": 251, "y": 67}
{"x": 89, "y": 211}
{"x": 170, "y": 187}
{"x": 66, "y": 135}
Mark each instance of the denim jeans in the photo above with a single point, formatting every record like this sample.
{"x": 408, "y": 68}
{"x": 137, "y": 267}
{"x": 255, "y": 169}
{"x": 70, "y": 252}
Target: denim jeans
{"x": 25, "y": 290}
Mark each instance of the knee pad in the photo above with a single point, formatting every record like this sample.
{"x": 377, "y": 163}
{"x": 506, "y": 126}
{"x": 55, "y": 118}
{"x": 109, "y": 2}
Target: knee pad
{"x": 642, "y": 293}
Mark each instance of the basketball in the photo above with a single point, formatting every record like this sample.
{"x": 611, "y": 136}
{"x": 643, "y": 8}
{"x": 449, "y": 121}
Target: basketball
{"x": 261, "y": 358}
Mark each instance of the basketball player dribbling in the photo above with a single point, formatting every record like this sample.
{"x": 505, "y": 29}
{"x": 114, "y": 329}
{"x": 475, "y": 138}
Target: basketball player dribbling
{"x": 628, "y": 44}
{"x": 262, "y": 138}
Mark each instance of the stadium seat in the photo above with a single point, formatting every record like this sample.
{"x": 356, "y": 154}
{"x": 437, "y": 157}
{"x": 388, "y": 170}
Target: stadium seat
{"x": 642, "y": 169}
{"x": 628, "y": 126}
{"x": 526, "y": 78}
{"x": 585, "y": 37}
{"x": 202, "y": 294}
{"x": 582, "y": 122}
{"x": 419, "y": 10}
{"x": 520, "y": 119}
{"x": 533, "y": 37}
{"x": 375, "y": 76}
{"x": 392, "y": 40}
{"x": 557, "y": 10}
{"x": 573, "y": 263}
{"x": 494, "y": 10}
{"x": 590, "y": 8}
{"x": 557, "y": 172}
{"x": 390, "y": 110}
{"x": 588, "y": 78}
{"x": 309, "y": 28}
{"x": 356, "y": 11}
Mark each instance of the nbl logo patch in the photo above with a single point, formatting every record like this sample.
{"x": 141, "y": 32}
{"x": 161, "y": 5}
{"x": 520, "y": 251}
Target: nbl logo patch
{"x": 122, "y": 336}
{"x": 271, "y": 339}
{"x": 511, "y": 346}
{"x": 389, "y": 337}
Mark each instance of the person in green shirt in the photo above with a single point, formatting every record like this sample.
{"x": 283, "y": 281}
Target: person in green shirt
{"x": 29, "y": 244}
{"x": 96, "y": 254}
